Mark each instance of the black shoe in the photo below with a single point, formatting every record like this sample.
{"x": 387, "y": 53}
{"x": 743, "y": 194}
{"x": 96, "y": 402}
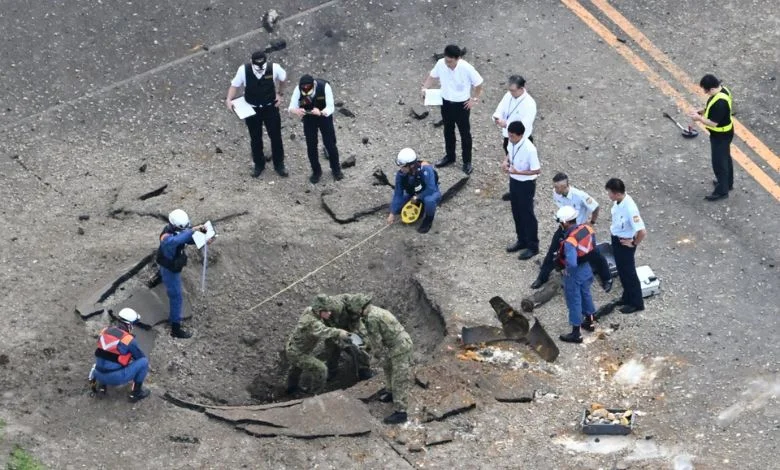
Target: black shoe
{"x": 396, "y": 418}
{"x": 716, "y": 197}
{"x": 386, "y": 397}
{"x": 588, "y": 323}
{"x": 715, "y": 183}
{"x": 571, "y": 338}
{"x": 516, "y": 246}
{"x": 338, "y": 175}
{"x": 365, "y": 374}
{"x": 607, "y": 285}
{"x": 620, "y": 302}
{"x": 505, "y": 197}
{"x": 315, "y": 178}
{"x": 528, "y": 254}
{"x": 140, "y": 394}
{"x": 425, "y": 225}
{"x": 178, "y": 332}
{"x": 539, "y": 282}
{"x": 467, "y": 168}
{"x": 630, "y": 309}
{"x": 257, "y": 171}
{"x": 444, "y": 162}
{"x": 282, "y": 171}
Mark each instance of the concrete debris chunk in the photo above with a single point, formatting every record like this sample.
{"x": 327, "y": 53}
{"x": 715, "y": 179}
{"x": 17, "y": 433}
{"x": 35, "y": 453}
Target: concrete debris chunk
{"x": 270, "y": 19}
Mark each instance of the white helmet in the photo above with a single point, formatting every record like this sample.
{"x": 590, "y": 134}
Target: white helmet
{"x": 179, "y": 219}
{"x": 128, "y": 315}
{"x": 566, "y": 214}
{"x": 405, "y": 157}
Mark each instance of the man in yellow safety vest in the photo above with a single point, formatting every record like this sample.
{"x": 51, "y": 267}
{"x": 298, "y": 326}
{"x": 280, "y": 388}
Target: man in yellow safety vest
{"x": 716, "y": 117}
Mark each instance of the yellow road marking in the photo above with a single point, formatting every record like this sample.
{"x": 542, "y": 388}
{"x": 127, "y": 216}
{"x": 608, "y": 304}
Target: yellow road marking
{"x": 742, "y": 132}
{"x": 606, "y": 35}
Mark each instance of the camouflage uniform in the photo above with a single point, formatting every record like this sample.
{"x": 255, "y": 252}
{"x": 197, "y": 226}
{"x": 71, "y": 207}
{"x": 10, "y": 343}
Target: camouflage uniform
{"x": 345, "y": 318}
{"x": 386, "y": 334}
{"x": 309, "y": 331}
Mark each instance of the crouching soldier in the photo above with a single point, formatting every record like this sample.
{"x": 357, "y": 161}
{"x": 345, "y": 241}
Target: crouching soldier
{"x": 119, "y": 359}
{"x": 345, "y": 318}
{"x": 386, "y": 336}
{"x": 416, "y": 181}
{"x": 310, "y": 330}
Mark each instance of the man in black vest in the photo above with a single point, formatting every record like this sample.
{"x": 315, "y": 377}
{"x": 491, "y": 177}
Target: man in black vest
{"x": 263, "y": 86}
{"x": 312, "y": 101}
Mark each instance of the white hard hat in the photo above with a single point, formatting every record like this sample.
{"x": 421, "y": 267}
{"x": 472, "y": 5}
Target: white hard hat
{"x": 566, "y": 214}
{"x": 405, "y": 157}
{"x": 128, "y": 315}
{"x": 179, "y": 219}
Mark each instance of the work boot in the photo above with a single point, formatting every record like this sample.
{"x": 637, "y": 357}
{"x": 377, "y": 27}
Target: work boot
{"x": 282, "y": 171}
{"x": 573, "y": 337}
{"x": 139, "y": 392}
{"x": 630, "y": 309}
{"x": 386, "y": 397}
{"x": 397, "y": 417}
{"x": 365, "y": 374}
{"x": 426, "y": 224}
{"x": 588, "y": 323}
{"x": 315, "y": 178}
{"x": 467, "y": 168}
{"x": 257, "y": 171}
{"x": 607, "y": 285}
{"x": 444, "y": 162}
{"x": 528, "y": 254}
{"x": 516, "y": 246}
{"x": 338, "y": 175}
{"x": 539, "y": 282}
{"x": 178, "y": 332}
{"x": 505, "y": 197}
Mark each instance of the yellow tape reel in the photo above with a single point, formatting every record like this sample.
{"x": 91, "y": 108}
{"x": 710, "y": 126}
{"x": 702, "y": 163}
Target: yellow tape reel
{"x": 411, "y": 212}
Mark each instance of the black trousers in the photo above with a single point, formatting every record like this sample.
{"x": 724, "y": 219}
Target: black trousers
{"x": 597, "y": 261}
{"x": 324, "y": 125}
{"x": 626, "y": 267}
{"x": 521, "y": 196}
{"x": 722, "y": 164}
{"x": 454, "y": 114}
{"x": 268, "y": 115}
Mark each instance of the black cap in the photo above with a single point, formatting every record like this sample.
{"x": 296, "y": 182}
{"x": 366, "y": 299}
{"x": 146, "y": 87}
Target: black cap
{"x": 306, "y": 80}
{"x": 258, "y": 57}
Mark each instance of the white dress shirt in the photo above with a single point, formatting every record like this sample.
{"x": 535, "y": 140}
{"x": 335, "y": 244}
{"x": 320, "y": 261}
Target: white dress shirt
{"x": 456, "y": 84}
{"x": 522, "y": 156}
{"x": 579, "y": 200}
{"x": 240, "y": 79}
{"x": 522, "y": 108}
{"x": 329, "y": 103}
{"x": 626, "y": 221}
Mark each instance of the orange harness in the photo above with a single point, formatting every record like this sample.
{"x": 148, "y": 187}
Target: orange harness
{"x": 108, "y": 345}
{"x": 581, "y": 238}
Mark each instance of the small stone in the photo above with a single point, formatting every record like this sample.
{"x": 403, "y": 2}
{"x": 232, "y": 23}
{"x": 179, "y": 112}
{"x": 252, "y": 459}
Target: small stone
{"x": 217, "y": 150}
{"x": 339, "y": 104}
{"x": 419, "y": 112}
{"x": 270, "y": 19}
{"x": 597, "y": 440}
{"x": 142, "y": 169}
{"x": 4, "y": 360}
{"x": 346, "y": 112}
{"x": 292, "y": 136}
{"x": 415, "y": 447}
{"x": 329, "y": 33}
{"x": 401, "y": 102}
{"x": 84, "y": 217}
{"x": 348, "y": 162}
{"x": 80, "y": 231}
{"x": 365, "y": 140}
{"x": 623, "y": 40}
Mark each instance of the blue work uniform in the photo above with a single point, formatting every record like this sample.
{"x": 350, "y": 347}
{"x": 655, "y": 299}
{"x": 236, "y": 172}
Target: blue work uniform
{"x": 172, "y": 259}
{"x": 576, "y": 283}
{"x": 111, "y": 372}
{"x": 424, "y": 184}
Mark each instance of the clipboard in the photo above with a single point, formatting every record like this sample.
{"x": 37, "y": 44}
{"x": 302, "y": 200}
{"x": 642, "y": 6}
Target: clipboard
{"x": 433, "y": 97}
{"x": 201, "y": 238}
{"x": 242, "y": 109}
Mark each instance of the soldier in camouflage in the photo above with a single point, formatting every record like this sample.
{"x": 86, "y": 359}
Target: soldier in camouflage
{"x": 388, "y": 337}
{"x": 310, "y": 330}
{"x": 346, "y": 319}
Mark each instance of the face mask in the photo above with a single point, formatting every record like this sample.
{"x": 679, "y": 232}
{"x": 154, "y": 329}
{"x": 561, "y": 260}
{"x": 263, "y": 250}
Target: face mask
{"x": 308, "y": 92}
{"x": 259, "y": 70}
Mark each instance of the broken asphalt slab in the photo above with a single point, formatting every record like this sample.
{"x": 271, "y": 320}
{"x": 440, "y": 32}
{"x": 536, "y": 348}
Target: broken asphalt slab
{"x": 91, "y": 302}
{"x": 454, "y": 403}
{"x": 330, "y": 414}
{"x": 513, "y": 386}
{"x": 152, "y": 305}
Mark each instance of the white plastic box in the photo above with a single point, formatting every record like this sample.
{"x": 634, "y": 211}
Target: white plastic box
{"x": 651, "y": 285}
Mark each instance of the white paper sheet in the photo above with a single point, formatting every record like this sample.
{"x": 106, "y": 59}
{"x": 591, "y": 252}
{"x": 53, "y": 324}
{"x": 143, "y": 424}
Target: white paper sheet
{"x": 201, "y": 238}
{"x": 243, "y": 109}
{"x": 433, "y": 97}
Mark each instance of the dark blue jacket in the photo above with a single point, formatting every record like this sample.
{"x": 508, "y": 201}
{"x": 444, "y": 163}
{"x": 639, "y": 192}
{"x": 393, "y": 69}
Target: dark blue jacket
{"x": 423, "y": 184}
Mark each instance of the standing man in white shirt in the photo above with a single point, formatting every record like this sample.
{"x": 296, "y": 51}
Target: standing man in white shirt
{"x": 628, "y": 231}
{"x": 263, "y": 89}
{"x": 522, "y": 165}
{"x": 457, "y": 78}
{"x": 587, "y": 213}
{"x": 516, "y": 105}
{"x": 312, "y": 101}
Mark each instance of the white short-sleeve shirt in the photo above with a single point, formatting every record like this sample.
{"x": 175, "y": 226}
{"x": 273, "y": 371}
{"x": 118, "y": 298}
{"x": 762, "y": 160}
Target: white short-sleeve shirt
{"x": 579, "y": 200}
{"x": 456, "y": 84}
{"x": 626, "y": 221}
{"x": 522, "y": 108}
{"x": 240, "y": 79}
{"x": 523, "y": 157}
